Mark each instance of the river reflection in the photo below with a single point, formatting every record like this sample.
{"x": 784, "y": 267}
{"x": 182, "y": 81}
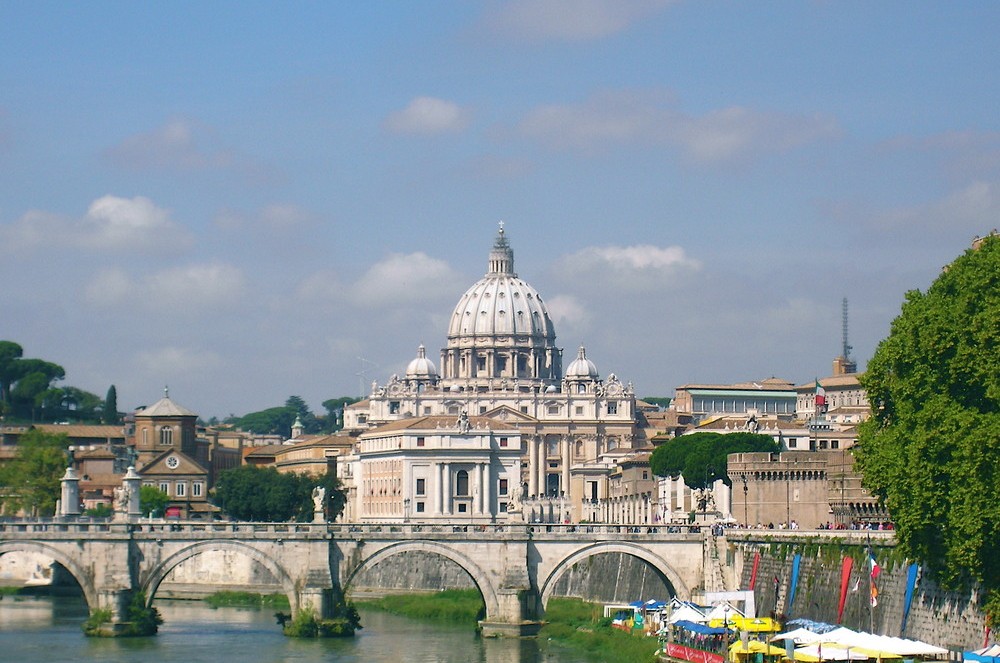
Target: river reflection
{"x": 48, "y": 629}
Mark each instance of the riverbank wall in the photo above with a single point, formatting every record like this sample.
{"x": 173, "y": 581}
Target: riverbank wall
{"x": 945, "y": 618}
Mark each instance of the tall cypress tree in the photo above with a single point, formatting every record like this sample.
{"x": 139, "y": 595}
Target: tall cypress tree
{"x": 110, "y": 414}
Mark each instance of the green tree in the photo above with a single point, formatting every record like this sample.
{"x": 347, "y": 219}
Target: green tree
{"x": 335, "y": 412}
{"x": 152, "y": 501}
{"x": 931, "y": 449}
{"x": 109, "y": 412}
{"x": 663, "y": 402}
{"x": 67, "y": 404}
{"x": 266, "y": 495}
{"x": 10, "y": 353}
{"x": 30, "y": 481}
{"x": 702, "y": 457}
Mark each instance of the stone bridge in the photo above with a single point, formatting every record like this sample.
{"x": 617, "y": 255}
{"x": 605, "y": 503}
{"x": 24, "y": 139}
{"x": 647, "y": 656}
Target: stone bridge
{"x": 514, "y": 567}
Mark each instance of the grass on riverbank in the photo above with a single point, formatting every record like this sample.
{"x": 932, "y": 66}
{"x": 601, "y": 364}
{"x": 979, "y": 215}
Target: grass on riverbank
{"x": 459, "y": 606}
{"x": 582, "y": 626}
{"x": 247, "y": 600}
{"x": 568, "y": 623}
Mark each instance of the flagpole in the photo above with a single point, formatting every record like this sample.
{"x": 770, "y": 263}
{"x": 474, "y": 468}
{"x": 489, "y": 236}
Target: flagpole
{"x": 871, "y": 588}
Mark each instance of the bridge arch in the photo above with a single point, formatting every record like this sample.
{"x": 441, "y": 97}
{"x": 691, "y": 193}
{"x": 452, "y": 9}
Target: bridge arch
{"x": 82, "y": 577}
{"x": 478, "y": 576}
{"x": 666, "y": 572}
{"x": 159, "y": 572}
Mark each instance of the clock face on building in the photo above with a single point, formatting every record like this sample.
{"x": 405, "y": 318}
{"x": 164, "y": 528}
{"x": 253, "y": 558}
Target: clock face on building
{"x": 173, "y": 462}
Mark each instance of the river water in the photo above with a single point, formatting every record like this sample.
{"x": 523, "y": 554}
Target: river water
{"x": 47, "y": 629}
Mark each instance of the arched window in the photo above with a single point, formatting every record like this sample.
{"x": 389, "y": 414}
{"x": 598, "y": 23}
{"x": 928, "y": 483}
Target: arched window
{"x": 166, "y": 436}
{"x": 462, "y": 484}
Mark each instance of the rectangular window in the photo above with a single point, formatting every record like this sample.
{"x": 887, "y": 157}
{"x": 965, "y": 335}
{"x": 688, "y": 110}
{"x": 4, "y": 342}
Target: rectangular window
{"x": 503, "y": 507}
{"x": 420, "y": 441}
{"x": 421, "y": 487}
{"x": 165, "y": 487}
{"x": 503, "y": 441}
{"x": 420, "y": 507}
{"x": 196, "y": 488}
{"x": 524, "y": 409}
{"x": 835, "y": 444}
{"x": 579, "y": 410}
{"x": 393, "y": 407}
{"x": 427, "y": 409}
{"x": 792, "y": 442}
{"x": 181, "y": 489}
{"x": 553, "y": 409}
{"x": 462, "y": 508}
{"x": 612, "y": 407}
{"x": 503, "y": 486}
{"x": 482, "y": 409}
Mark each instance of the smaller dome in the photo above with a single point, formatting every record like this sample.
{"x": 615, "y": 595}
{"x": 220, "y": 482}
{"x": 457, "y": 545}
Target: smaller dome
{"x": 581, "y": 368}
{"x": 421, "y": 367}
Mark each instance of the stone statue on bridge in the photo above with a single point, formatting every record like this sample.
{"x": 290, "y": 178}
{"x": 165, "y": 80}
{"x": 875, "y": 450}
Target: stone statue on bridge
{"x": 319, "y": 500}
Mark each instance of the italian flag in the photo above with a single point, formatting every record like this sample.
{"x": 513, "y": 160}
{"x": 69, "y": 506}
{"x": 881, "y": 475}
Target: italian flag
{"x": 820, "y": 396}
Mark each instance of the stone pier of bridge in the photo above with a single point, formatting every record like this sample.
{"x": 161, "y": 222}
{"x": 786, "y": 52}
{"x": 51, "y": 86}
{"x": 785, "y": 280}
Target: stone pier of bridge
{"x": 514, "y": 567}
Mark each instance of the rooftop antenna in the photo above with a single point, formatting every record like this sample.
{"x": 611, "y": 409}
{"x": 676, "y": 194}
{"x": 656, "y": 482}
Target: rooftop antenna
{"x": 362, "y": 373}
{"x": 847, "y": 348}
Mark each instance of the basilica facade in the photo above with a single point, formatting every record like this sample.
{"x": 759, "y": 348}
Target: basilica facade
{"x": 501, "y": 363}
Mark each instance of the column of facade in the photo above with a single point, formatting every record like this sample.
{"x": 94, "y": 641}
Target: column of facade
{"x": 681, "y": 506}
{"x": 477, "y": 491}
{"x": 543, "y": 461}
{"x": 436, "y": 488}
{"x": 533, "y": 466}
{"x": 446, "y": 486}
{"x": 567, "y": 457}
{"x": 489, "y": 482}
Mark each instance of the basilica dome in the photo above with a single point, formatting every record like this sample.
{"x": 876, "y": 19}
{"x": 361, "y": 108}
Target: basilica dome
{"x": 501, "y": 330}
{"x": 581, "y": 368}
{"x": 500, "y": 303}
{"x": 421, "y": 368}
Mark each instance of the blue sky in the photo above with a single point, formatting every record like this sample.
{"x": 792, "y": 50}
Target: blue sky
{"x": 242, "y": 200}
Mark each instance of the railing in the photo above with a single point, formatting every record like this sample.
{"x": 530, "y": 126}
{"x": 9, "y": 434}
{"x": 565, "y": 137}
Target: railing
{"x": 62, "y": 527}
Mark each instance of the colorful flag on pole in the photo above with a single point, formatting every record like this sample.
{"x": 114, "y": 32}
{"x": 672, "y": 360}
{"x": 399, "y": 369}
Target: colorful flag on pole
{"x": 820, "y": 397}
{"x": 876, "y": 569}
{"x": 874, "y": 594}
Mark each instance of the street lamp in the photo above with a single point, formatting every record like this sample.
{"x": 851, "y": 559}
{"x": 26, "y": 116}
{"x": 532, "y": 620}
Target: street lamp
{"x": 704, "y": 497}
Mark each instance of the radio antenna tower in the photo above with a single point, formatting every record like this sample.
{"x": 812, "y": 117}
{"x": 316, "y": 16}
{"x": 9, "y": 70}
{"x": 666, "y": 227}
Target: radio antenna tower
{"x": 847, "y": 347}
{"x": 362, "y": 373}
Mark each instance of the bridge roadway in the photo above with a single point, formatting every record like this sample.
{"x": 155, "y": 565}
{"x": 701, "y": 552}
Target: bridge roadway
{"x": 515, "y": 566}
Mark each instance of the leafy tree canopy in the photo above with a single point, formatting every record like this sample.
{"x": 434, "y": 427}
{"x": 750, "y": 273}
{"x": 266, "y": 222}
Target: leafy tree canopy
{"x": 662, "y": 401}
{"x": 109, "y": 413}
{"x": 279, "y": 420}
{"x": 266, "y": 495}
{"x": 931, "y": 449}
{"x": 152, "y": 501}
{"x": 702, "y": 457}
{"x": 28, "y": 393}
{"x": 335, "y": 412}
{"x": 30, "y": 481}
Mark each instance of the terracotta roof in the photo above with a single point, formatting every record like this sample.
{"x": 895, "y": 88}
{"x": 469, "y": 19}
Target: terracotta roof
{"x": 834, "y": 381}
{"x": 165, "y": 408}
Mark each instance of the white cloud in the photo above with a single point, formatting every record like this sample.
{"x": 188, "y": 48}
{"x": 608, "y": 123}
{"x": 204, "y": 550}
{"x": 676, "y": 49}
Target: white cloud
{"x": 567, "y": 310}
{"x": 570, "y": 20}
{"x": 405, "y": 279}
{"x": 183, "y": 146}
{"x": 278, "y": 217}
{"x": 188, "y": 288}
{"x": 172, "y": 361}
{"x": 724, "y": 135}
{"x": 972, "y": 209}
{"x": 641, "y": 266}
{"x": 427, "y": 115}
{"x": 111, "y": 223}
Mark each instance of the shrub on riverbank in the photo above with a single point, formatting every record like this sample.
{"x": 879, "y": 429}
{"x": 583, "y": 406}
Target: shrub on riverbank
{"x": 568, "y": 622}
{"x": 581, "y": 625}
{"x": 247, "y": 600}
{"x": 306, "y": 624}
{"x": 140, "y": 620}
{"x": 461, "y": 606}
